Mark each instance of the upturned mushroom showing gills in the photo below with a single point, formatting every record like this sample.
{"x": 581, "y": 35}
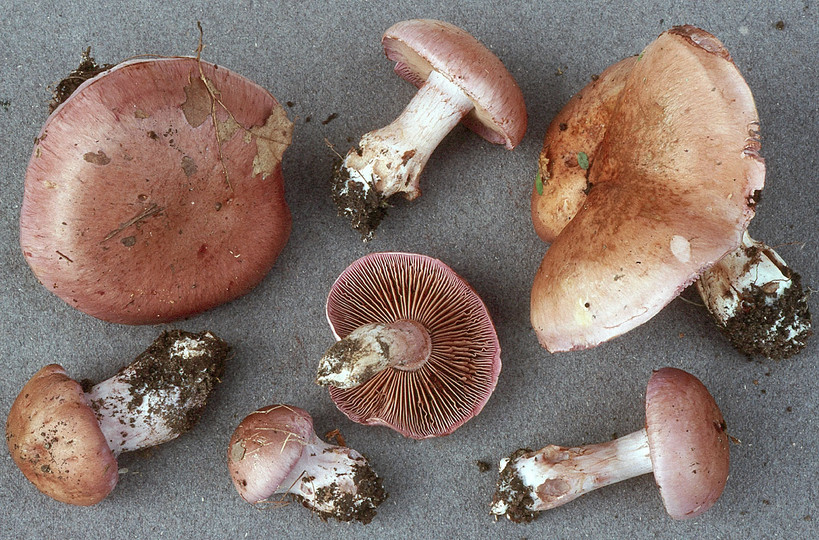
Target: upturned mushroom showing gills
{"x": 417, "y": 350}
{"x": 664, "y": 184}
{"x": 66, "y": 440}
{"x": 684, "y": 443}
{"x": 274, "y": 450}
{"x": 459, "y": 79}
{"x": 155, "y": 191}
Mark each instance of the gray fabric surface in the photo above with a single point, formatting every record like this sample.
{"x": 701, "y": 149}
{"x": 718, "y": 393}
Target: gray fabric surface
{"x": 474, "y": 214}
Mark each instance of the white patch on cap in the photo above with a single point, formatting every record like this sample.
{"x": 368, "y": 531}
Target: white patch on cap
{"x": 681, "y": 248}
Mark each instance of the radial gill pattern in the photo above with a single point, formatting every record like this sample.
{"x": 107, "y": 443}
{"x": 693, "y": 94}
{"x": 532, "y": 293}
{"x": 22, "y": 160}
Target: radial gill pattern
{"x": 464, "y": 364}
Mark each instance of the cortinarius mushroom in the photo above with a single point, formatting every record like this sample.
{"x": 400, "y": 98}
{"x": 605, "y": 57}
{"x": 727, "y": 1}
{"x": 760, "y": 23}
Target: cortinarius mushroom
{"x": 65, "y": 440}
{"x": 684, "y": 443}
{"x": 458, "y": 78}
{"x": 274, "y": 450}
{"x": 155, "y": 191}
{"x": 664, "y": 184}
{"x": 417, "y": 352}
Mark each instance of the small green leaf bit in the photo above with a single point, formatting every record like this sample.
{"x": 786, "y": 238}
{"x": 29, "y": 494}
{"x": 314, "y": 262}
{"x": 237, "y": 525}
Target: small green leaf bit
{"x": 583, "y": 160}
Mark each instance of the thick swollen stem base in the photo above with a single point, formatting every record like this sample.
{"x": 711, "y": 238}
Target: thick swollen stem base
{"x": 162, "y": 393}
{"x": 530, "y": 482}
{"x": 389, "y": 160}
{"x": 335, "y": 482}
{"x": 757, "y": 301}
{"x": 371, "y": 348}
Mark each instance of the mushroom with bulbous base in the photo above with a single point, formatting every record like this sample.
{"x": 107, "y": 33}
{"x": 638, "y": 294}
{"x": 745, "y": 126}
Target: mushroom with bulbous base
{"x": 622, "y": 195}
{"x": 458, "y": 79}
{"x": 274, "y": 450}
{"x": 65, "y": 440}
{"x": 684, "y": 443}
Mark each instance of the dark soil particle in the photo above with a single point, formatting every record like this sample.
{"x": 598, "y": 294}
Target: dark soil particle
{"x": 512, "y": 491}
{"x": 365, "y": 209}
{"x": 483, "y": 466}
{"x": 88, "y": 69}
{"x": 359, "y": 506}
{"x": 749, "y": 330}
{"x": 161, "y": 370}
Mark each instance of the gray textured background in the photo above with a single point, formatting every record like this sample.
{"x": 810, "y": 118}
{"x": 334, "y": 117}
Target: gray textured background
{"x": 474, "y": 215}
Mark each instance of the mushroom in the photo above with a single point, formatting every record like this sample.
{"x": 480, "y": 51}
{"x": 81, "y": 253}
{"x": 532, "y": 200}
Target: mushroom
{"x": 774, "y": 326}
{"x": 66, "y": 440}
{"x": 672, "y": 179}
{"x": 458, "y": 78}
{"x": 155, "y": 191}
{"x": 684, "y": 443}
{"x": 417, "y": 350}
{"x": 274, "y": 450}
{"x": 757, "y": 301}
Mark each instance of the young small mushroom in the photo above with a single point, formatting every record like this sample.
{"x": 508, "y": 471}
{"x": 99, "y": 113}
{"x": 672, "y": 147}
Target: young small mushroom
{"x": 757, "y": 301}
{"x": 458, "y": 79}
{"x": 684, "y": 443}
{"x": 66, "y": 440}
{"x": 649, "y": 223}
{"x": 155, "y": 192}
{"x": 417, "y": 350}
{"x": 274, "y": 450}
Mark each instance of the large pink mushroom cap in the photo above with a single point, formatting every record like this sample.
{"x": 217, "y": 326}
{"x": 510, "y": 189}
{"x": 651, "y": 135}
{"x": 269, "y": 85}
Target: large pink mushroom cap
{"x": 155, "y": 191}
{"x": 455, "y": 380}
{"x": 673, "y": 185}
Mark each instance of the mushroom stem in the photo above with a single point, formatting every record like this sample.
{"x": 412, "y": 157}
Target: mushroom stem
{"x": 391, "y": 159}
{"x": 334, "y": 481}
{"x": 757, "y": 301}
{"x": 554, "y": 475}
{"x": 161, "y": 394}
{"x": 371, "y": 348}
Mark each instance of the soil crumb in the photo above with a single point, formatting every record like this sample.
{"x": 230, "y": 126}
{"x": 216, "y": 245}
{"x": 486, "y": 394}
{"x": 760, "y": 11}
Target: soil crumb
{"x": 88, "y": 69}
{"x": 364, "y": 207}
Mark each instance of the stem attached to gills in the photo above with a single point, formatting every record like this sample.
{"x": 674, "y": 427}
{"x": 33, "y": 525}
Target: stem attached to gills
{"x": 371, "y": 348}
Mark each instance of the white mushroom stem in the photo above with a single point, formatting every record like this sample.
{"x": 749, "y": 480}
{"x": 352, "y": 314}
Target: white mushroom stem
{"x": 391, "y": 159}
{"x": 533, "y": 481}
{"x": 757, "y": 300}
{"x": 161, "y": 394}
{"x": 371, "y": 348}
{"x": 333, "y": 480}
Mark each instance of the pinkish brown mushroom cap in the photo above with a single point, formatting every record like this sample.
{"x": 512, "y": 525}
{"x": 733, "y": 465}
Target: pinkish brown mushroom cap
{"x": 55, "y": 439}
{"x": 578, "y": 128}
{"x": 688, "y": 443}
{"x": 419, "y": 46}
{"x": 462, "y": 370}
{"x": 673, "y": 186}
{"x": 265, "y": 448}
{"x": 155, "y": 192}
